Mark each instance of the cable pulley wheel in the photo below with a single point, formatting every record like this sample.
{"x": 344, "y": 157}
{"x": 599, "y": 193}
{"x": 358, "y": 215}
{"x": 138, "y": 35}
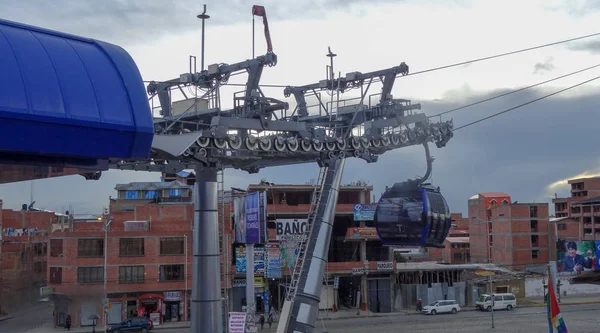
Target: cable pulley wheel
{"x": 305, "y": 144}
{"x": 318, "y": 146}
{"x": 251, "y": 142}
{"x": 364, "y": 142}
{"x": 395, "y": 138}
{"x": 376, "y": 142}
{"x": 220, "y": 143}
{"x": 355, "y": 142}
{"x": 265, "y": 143}
{"x": 279, "y": 143}
{"x": 356, "y": 153}
{"x": 403, "y": 138}
{"x": 330, "y": 146}
{"x": 341, "y": 144}
{"x": 385, "y": 140}
{"x": 203, "y": 142}
{"x": 235, "y": 142}
{"x": 292, "y": 144}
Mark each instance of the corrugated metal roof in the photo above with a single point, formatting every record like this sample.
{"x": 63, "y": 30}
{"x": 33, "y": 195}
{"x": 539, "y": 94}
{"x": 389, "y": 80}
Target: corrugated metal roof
{"x": 434, "y": 266}
{"x": 138, "y": 186}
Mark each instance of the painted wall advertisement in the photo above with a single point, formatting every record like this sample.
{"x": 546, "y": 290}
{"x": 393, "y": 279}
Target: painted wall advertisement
{"x": 273, "y": 267}
{"x": 364, "y": 212}
{"x": 250, "y": 216}
{"x": 259, "y": 260}
{"x": 576, "y": 257}
{"x": 290, "y": 233}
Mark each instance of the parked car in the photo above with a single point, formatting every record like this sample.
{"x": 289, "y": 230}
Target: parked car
{"x": 133, "y": 324}
{"x": 504, "y": 301}
{"x": 445, "y": 306}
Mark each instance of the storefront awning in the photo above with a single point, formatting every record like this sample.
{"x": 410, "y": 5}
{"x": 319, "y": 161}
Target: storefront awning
{"x": 150, "y": 296}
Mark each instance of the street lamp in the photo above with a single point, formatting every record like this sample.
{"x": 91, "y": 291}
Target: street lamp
{"x": 489, "y": 248}
{"x": 106, "y": 220}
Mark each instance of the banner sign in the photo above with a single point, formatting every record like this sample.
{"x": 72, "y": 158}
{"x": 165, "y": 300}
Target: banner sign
{"x": 273, "y": 267}
{"x": 240, "y": 260}
{"x": 250, "y": 216}
{"x": 365, "y": 232}
{"x": 237, "y": 322}
{"x": 364, "y": 212}
{"x": 290, "y": 229}
{"x": 574, "y": 258}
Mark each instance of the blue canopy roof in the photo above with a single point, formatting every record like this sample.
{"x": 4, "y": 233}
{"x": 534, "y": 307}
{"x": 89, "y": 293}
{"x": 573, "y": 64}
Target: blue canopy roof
{"x": 66, "y": 95}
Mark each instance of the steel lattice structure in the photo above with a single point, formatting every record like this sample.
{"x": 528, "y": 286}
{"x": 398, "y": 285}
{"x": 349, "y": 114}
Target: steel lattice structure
{"x": 260, "y": 132}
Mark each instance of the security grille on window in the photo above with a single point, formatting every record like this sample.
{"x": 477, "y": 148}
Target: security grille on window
{"x": 171, "y": 272}
{"x": 90, "y": 247}
{"x": 171, "y": 246}
{"x": 131, "y": 247}
{"x": 90, "y": 274}
{"x": 131, "y": 274}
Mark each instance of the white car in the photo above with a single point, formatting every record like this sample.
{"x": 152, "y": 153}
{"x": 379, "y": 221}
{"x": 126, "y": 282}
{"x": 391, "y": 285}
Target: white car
{"x": 446, "y": 306}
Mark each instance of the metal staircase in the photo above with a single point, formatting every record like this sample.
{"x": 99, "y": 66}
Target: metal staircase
{"x": 312, "y": 215}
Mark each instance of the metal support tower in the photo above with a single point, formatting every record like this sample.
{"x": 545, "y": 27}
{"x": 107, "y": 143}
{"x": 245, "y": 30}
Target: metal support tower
{"x": 206, "y": 285}
{"x": 301, "y": 307}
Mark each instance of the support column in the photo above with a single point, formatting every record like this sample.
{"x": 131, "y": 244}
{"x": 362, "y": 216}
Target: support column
{"x": 206, "y": 311}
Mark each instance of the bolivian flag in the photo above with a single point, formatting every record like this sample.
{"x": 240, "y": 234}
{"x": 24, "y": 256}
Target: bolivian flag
{"x": 555, "y": 319}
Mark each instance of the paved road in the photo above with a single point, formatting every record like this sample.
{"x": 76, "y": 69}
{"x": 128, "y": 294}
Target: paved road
{"x": 24, "y": 321}
{"x": 579, "y": 318}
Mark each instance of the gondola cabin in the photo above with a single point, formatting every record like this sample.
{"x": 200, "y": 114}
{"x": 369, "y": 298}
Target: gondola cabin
{"x": 410, "y": 213}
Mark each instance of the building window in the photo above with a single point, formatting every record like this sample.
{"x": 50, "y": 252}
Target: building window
{"x": 150, "y": 194}
{"x": 38, "y": 249}
{"x": 171, "y": 272}
{"x": 90, "y": 274}
{"x": 131, "y": 194}
{"x": 90, "y": 247}
{"x": 458, "y": 256}
{"x": 56, "y": 247}
{"x": 131, "y": 247}
{"x": 56, "y": 275}
{"x": 534, "y": 240}
{"x": 535, "y": 254}
{"x": 533, "y": 211}
{"x": 175, "y": 192}
{"x": 534, "y": 225}
{"x": 131, "y": 274}
{"x": 562, "y": 226}
{"x": 171, "y": 246}
{"x": 38, "y": 267}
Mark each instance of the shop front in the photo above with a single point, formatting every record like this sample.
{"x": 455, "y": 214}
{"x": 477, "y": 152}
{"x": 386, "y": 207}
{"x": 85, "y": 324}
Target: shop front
{"x": 173, "y": 306}
{"x": 150, "y": 306}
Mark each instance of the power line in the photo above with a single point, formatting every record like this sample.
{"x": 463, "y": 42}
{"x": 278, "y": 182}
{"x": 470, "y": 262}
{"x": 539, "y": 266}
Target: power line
{"x": 526, "y": 103}
{"x": 501, "y": 55}
{"x": 514, "y": 91}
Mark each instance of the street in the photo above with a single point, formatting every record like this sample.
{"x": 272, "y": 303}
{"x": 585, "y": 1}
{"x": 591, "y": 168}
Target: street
{"x": 579, "y": 318}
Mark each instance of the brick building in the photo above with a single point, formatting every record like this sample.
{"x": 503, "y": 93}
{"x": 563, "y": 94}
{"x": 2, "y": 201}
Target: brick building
{"x": 356, "y": 260}
{"x": 578, "y": 216}
{"x": 456, "y": 246}
{"x": 148, "y": 242}
{"x": 516, "y": 235}
{"x": 23, "y": 256}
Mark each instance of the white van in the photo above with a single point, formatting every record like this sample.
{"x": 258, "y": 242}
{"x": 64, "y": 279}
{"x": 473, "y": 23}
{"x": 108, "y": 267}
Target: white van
{"x": 501, "y": 302}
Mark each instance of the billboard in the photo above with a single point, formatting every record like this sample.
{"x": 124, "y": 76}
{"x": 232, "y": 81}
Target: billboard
{"x": 259, "y": 260}
{"x": 576, "y": 257}
{"x": 250, "y": 215}
{"x": 273, "y": 267}
{"x": 364, "y": 212}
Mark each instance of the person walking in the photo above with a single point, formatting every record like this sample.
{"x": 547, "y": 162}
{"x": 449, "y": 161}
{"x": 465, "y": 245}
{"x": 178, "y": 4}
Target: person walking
{"x": 68, "y": 322}
{"x": 270, "y": 320}
{"x": 262, "y": 321}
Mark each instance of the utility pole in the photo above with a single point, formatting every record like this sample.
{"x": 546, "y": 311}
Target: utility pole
{"x": 185, "y": 307}
{"x": 106, "y": 220}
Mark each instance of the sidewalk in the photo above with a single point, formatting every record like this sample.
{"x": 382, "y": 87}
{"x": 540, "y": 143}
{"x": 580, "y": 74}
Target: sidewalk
{"x": 3, "y": 318}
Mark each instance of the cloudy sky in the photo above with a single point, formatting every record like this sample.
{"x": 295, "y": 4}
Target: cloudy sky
{"x": 528, "y": 153}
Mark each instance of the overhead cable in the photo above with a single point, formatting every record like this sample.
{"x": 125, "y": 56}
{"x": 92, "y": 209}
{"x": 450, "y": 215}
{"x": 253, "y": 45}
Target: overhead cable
{"x": 527, "y": 103}
{"x": 513, "y": 91}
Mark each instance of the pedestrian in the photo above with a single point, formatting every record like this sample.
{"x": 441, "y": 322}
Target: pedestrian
{"x": 262, "y": 321}
{"x": 270, "y": 320}
{"x": 68, "y": 322}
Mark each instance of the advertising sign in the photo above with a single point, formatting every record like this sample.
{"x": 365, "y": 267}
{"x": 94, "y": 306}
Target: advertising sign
{"x": 365, "y": 232}
{"x": 273, "y": 267}
{"x": 250, "y": 216}
{"x": 290, "y": 229}
{"x": 237, "y": 322}
{"x": 577, "y": 257}
{"x": 385, "y": 266}
{"x": 259, "y": 260}
{"x": 364, "y": 212}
